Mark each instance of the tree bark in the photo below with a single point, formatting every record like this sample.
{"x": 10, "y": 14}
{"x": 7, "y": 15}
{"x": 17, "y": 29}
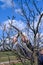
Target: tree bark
{"x": 35, "y": 52}
{"x": 35, "y": 58}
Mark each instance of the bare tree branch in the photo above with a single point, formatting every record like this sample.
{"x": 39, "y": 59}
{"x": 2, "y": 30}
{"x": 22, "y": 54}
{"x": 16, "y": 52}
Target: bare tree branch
{"x": 36, "y": 7}
{"x": 39, "y": 22}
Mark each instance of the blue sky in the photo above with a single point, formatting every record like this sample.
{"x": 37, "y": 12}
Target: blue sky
{"x": 6, "y": 9}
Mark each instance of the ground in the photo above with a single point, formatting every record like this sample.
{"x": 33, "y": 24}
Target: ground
{"x": 7, "y": 56}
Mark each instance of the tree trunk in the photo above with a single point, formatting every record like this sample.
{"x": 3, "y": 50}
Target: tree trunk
{"x": 35, "y": 52}
{"x": 35, "y": 58}
{"x": 32, "y": 60}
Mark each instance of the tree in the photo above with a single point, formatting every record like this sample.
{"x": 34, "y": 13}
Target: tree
{"x": 3, "y": 27}
{"x": 29, "y": 14}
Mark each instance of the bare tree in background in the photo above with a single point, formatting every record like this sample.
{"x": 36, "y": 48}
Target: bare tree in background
{"x": 3, "y": 27}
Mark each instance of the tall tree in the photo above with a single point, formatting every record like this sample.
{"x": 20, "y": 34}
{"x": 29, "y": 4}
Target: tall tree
{"x": 29, "y": 12}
